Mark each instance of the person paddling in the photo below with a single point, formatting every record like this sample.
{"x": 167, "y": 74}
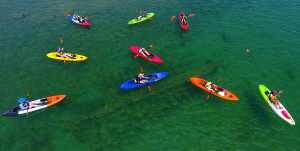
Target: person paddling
{"x": 75, "y": 17}
{"x": 211, "y": 86}
{"x": 24, "y": 105}
{"x": 273, "y": 98}
{"x": 144, "y": 14}
{"x": 138, "y": 79}
{"x": 143, "y": 51}
{"x": 183, "y": 19}
{"x": 63, "y": 55}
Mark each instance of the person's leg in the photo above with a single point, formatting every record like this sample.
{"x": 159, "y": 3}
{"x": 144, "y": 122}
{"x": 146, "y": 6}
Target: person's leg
{"x": 35, "y": 102}
{"x": 278, "y": 104}
{"x": 143, "y": 81}
{"x": 69, "y": 55}
{"x": 65, "y": 55}
{"x": 32, "y": 106}
{"x": 143, "y": 54}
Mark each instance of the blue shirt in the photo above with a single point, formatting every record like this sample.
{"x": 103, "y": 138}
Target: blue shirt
{"x": 145, "y": 14}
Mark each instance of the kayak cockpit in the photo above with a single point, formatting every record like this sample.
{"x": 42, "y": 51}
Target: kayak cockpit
{"x": 11, "y": 112}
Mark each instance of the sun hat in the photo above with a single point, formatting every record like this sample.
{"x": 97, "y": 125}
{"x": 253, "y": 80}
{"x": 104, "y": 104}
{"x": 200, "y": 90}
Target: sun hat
{"x": 21, "y": 100}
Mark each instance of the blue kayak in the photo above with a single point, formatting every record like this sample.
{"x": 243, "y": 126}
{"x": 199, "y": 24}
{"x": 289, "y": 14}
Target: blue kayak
{"x": 153, "y": 78}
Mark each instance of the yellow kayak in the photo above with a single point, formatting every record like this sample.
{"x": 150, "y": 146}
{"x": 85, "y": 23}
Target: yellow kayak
{"x": 53, "y": 55}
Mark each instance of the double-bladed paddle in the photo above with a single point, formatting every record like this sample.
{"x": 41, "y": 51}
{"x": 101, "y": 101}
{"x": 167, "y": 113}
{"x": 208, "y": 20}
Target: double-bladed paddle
{"x": 70, "y": 15}
{"x": 189, "y": 15}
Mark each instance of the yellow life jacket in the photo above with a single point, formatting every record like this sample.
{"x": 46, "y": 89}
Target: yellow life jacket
{"x": 207, "y": 84}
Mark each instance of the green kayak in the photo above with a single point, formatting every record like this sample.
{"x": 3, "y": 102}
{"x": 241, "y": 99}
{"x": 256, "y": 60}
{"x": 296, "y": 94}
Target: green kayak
{"x": 281, "y": 112}
{"x": 134, "y": 21}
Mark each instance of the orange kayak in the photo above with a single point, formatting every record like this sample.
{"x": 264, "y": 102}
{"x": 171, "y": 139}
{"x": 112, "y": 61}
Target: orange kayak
{"x": 221, "y": 92}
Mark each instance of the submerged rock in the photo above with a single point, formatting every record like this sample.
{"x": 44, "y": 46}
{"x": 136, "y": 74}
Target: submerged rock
{"x": 20, "y": 15}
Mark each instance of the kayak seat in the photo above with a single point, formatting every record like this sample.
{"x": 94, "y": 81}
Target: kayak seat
{"x": 43, "y": 100}
{"x": 220, "y": 89}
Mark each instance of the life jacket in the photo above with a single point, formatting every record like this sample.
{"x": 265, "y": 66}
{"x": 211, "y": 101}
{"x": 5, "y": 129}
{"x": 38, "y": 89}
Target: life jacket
{"x": 135, "y": 79}
{"x": 271, "y": 95}
{"x": 59, "y": 51}
{"x": 208, "y": 84}
{"x": 24, "y": 104}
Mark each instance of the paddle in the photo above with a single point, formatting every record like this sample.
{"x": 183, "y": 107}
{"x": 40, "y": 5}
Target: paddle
{"x": 138, "y": 11}
{"x": 189, "y": 15}
{"x": 280, "y": 92}
{"x": 211, "y": 89}
{"x": 61, "y": 40}
{"x": 147, "y": 48}
{"x": 27, "y": 103}
{"x": 70, "y": 15}
{"x": 143, "y": 73}
{"x": 142, "y": 70}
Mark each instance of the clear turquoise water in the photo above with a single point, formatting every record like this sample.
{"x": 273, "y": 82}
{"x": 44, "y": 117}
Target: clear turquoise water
{"x": 97, "y": 115}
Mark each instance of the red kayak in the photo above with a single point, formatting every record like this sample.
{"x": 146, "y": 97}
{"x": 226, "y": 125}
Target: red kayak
{"x": 150, "y": 57}
{"x": 183, "y": 26}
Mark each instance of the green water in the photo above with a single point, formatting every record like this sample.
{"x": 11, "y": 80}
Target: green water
{"x": 97, "y": 115}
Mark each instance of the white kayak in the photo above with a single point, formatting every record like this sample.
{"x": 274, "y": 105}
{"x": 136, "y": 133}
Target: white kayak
{"x": 47, "y": 102}
{"x": 283, "y": 113}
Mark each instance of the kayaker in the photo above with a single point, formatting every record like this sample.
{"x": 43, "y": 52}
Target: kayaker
{"x": 138, "y": 79}
{"x": 63, "y": 55}
{"x": 183, "y": 19}
{"x": 59, "y": 51}
{"x": 211, "y": 86}
{"x": 75, "y": 17}
{"x": 23, "y": 104}
{"x": 143, "y": 51}
{"x": 28, "y": 105}
{"x": 273, "y": 98}
{"x": 144, "y": 14}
